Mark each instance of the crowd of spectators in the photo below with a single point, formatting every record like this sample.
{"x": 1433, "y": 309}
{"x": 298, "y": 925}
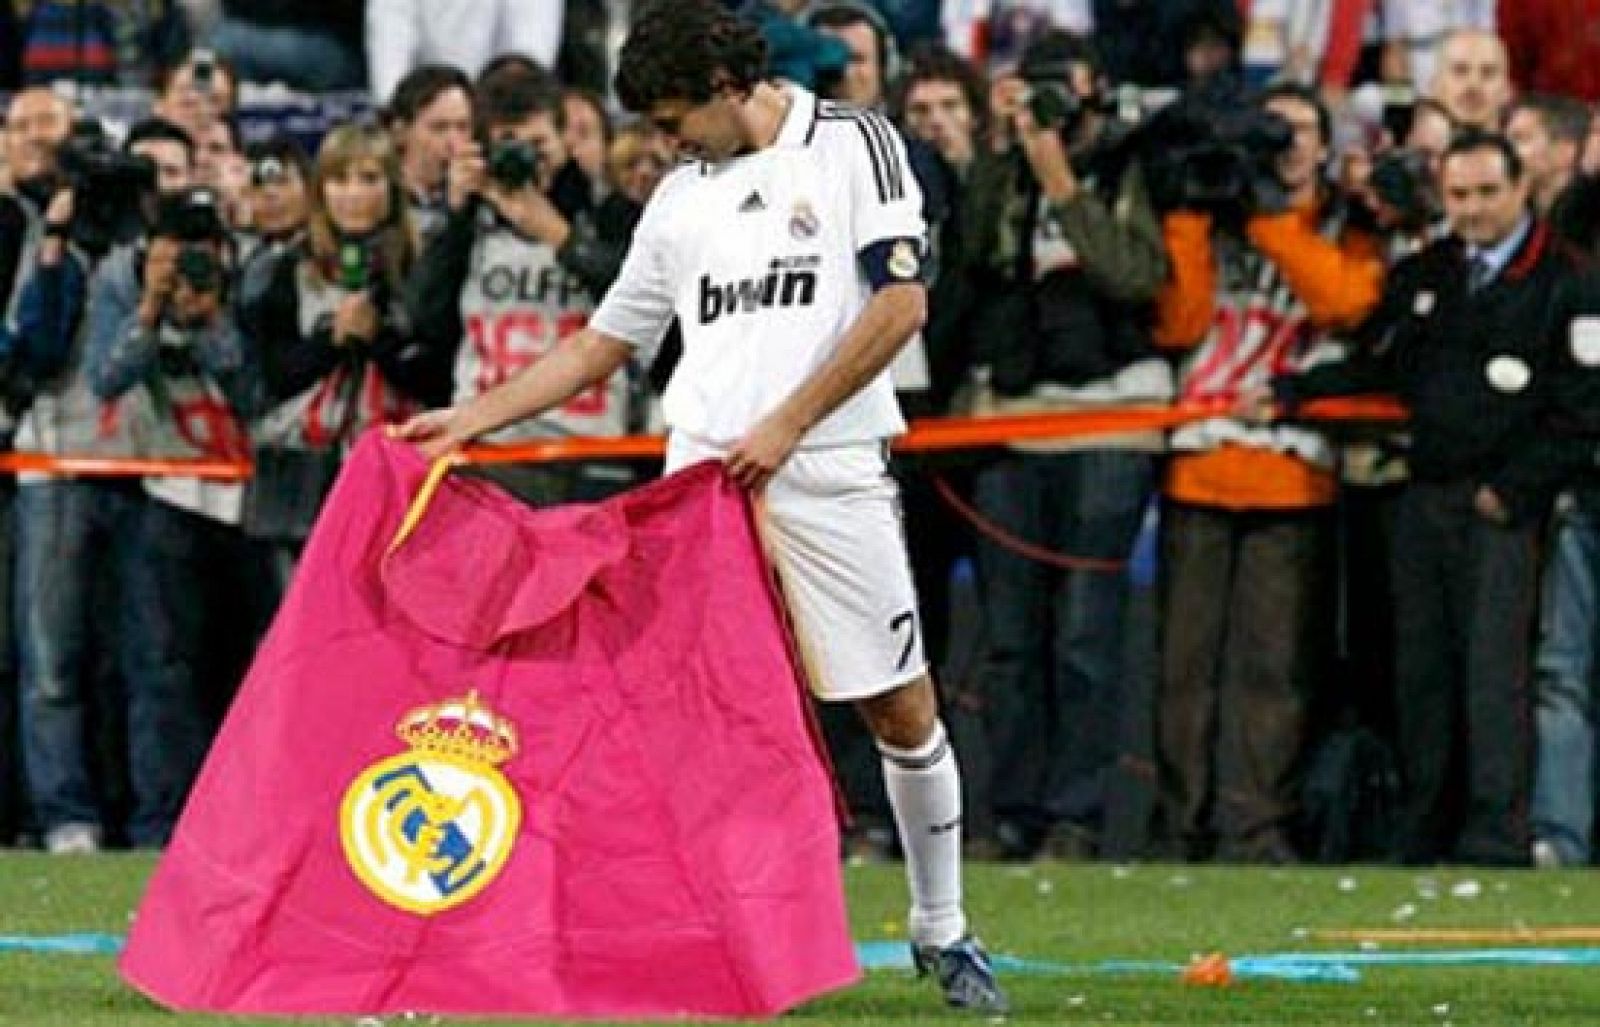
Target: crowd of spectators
{"x": 1369, "y": 644}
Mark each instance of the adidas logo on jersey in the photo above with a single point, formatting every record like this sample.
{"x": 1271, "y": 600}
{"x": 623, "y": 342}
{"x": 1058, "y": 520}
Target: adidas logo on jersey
{"x": 753, "y": 204}
{"x": 787, "y": 284}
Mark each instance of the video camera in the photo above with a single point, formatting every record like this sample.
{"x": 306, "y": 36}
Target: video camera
{"x": 108, "y": 186}
{"x": 1216, "y": 153}
{"x": 193, "y": 217}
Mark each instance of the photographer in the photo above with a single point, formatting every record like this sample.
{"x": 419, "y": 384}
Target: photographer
{"x": 1066, "y": 256}
{"x": 159, "y": 318}
{"x": 161, "y": 334}
{"x": 1395, "y": 186}
{"x": 106, "y": 199}
{"x": 196, "y": 92}
{"x": 1264, "y": 266}
{"x": 80, "y": 541}
{"x": 517, "y": 268}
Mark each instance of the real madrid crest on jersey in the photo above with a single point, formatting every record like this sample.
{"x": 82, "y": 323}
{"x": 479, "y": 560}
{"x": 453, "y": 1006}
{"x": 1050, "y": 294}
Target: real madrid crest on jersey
{"x": 430, "y": 828}
{"x": 803, "y": 222}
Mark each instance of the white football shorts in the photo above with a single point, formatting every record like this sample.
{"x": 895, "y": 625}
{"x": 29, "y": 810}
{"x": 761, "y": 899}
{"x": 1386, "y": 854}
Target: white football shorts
{"x": 831, "y": 521}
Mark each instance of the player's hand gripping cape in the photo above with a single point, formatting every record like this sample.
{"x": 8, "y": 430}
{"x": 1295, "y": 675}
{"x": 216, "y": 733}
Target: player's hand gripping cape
{"x": 530, "y": 762}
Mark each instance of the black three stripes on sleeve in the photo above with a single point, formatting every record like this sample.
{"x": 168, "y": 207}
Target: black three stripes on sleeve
{"x": 887, "y": 169}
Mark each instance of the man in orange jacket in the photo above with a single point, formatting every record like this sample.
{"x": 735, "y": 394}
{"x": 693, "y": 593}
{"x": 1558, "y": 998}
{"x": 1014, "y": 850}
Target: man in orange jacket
{"x": 1245, "y": 526}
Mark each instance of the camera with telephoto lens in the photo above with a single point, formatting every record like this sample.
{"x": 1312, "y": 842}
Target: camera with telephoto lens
{"x": 193, "y": 217}
{"x": 1053, "y": 105}
{"x": 514, "y": 163}
{"x": 108, "y": 186}
{"x": 1404, "y": 184}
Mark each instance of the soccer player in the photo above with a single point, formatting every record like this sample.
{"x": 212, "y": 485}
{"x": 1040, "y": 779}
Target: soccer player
{"x": 790, "y": 247}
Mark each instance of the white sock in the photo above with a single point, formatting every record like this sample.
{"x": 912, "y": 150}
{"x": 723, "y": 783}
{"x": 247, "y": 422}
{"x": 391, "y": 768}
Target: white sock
{"x": 924, "y": 788}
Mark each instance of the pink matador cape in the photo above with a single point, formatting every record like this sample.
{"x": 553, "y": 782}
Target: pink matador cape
{"x": 522, "y": 762}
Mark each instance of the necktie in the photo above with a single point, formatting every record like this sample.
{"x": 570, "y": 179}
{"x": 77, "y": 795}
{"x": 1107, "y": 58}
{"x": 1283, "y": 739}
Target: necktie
{"x": 1478, "y": 274}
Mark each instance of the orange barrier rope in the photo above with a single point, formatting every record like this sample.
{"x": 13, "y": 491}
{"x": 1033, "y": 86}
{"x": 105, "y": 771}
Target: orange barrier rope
{"x": 935, "y": 434}
{"x": 927, "y": 435}
{"x": 122, "y": 467}
{"x": 1377, "y": 409}
{"x": 624, "y": 447}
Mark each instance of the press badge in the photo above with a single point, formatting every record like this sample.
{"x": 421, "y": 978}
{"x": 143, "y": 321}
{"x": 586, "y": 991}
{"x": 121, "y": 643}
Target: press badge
{"x": 1583, "y": 337}
{"x": 1509, "y": 375}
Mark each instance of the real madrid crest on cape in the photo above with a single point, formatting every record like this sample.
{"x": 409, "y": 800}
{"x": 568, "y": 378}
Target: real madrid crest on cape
{"x": 429, "y": 829}
{"x": 538, "y": 763}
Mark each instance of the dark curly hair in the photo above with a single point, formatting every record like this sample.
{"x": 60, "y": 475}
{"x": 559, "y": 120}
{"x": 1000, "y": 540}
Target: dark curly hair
{"x": 687, "y": 50}
{"x": 513, "y": 95}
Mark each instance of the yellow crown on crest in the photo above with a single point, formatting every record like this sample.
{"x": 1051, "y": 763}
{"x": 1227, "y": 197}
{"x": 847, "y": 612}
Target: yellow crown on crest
{"x": 463, "y": 728}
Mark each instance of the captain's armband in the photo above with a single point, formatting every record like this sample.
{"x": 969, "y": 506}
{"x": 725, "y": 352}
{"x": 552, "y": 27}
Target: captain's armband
{"x": 894, "y": 262}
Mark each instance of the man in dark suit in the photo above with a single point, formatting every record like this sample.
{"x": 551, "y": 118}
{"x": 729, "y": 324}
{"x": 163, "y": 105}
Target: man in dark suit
{"x": 1473, "y": 332}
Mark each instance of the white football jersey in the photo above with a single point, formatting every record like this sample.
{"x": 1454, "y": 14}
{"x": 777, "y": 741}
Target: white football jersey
{"x": 757, "y": 257}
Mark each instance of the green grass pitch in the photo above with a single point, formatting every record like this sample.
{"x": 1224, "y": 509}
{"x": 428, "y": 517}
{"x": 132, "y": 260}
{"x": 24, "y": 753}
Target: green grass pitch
{"x": 1074, "y": 914}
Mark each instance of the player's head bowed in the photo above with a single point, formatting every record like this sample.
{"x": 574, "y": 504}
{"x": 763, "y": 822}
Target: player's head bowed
{"x": 688, "y": 51}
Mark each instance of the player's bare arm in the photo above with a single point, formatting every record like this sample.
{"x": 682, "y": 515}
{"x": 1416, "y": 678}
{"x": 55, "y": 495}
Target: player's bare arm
{"x": 578, "y": 362}
{"x": 893, "y": 315}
